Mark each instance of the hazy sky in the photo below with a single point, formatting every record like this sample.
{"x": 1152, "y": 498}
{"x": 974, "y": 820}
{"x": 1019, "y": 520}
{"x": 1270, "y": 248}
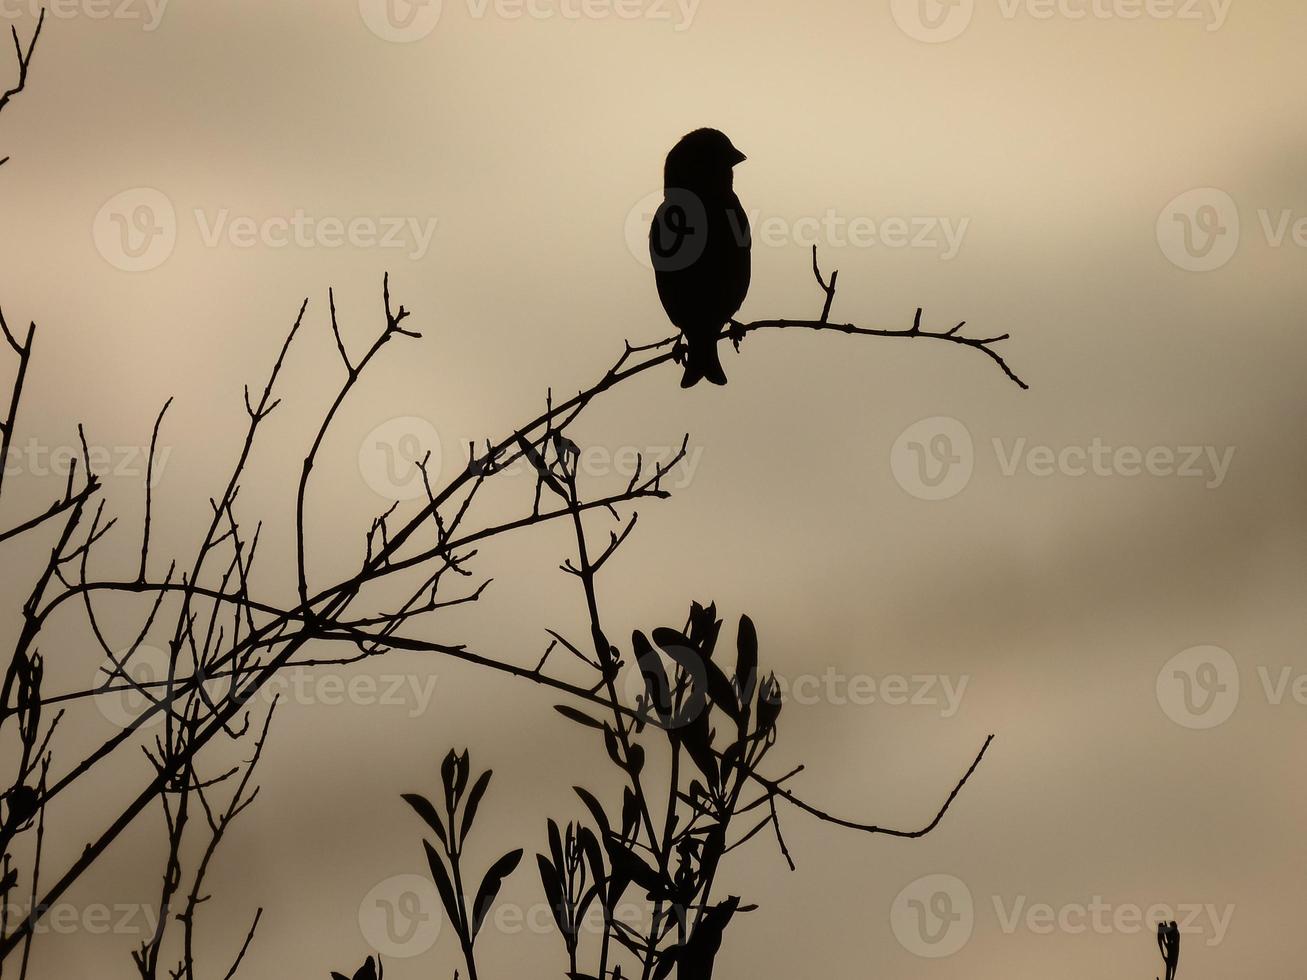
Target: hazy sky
{"x": 1105, "y": 571}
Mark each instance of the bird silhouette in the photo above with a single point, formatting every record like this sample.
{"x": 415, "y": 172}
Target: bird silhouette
{"x": 700, "y": 245}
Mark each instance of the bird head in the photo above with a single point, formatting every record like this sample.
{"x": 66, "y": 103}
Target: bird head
{"x": 704, "y": 158}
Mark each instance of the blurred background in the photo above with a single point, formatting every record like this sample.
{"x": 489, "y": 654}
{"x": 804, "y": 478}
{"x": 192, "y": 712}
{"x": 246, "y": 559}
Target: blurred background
{"x": 1104, "y": 571}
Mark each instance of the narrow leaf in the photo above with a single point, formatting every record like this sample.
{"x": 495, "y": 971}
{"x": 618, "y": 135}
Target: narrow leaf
{"x": 554, "y": 894}
{"x": 490, "y": 886}
{"x": 721, "y": 691}
{"x": 614, "y": 747}
{"x": 596, "y": 811}
{"x": 556, "y": 845}
{"x": 697, "y": 739}
{"x": 445, "y": 887}
{"x": 461, "y": 773}
{"x": 428, "y": 813}
{"x": 474, "y": 801}
{"x": 630, "y": 811}
{"x": 449, "y": 777}
{"x": 580, "y": 717}
{"x": 746, "y": 660}
{"x": 656, "y": 685}
{"x": 593, "y": 853}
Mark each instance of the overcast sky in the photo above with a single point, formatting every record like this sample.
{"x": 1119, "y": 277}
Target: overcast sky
{"x": 1105, "y": 571}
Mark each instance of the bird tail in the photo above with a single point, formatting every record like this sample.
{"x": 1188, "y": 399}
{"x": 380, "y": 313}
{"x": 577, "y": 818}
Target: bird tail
{"x": 701, "y": 360}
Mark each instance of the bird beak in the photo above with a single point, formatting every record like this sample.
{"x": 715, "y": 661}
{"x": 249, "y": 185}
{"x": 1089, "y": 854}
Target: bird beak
{"x": 739, "y": 158}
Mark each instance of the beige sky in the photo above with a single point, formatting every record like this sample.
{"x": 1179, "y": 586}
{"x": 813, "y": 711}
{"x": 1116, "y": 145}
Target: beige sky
{"x": 1027, "y": 166}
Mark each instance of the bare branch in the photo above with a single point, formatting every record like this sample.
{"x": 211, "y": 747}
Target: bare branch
{"x": 24, "y": 62}
{"x": 149, "y": 490}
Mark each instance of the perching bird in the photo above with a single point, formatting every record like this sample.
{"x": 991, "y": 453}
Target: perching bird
{"x": 700, "y": 243}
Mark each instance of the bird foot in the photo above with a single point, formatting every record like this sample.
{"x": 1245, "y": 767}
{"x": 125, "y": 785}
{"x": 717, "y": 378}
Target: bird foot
{"x": 736, "y": 332}
{"x": 679, "y": 351}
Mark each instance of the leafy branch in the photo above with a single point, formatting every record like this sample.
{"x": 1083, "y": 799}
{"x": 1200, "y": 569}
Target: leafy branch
{"x": 446, "y": 864}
